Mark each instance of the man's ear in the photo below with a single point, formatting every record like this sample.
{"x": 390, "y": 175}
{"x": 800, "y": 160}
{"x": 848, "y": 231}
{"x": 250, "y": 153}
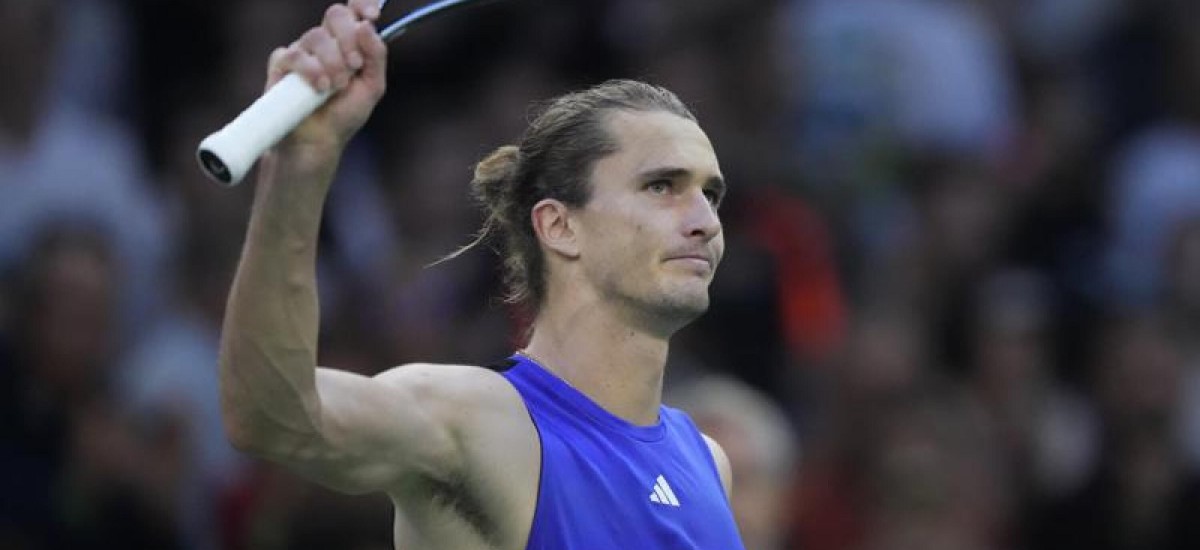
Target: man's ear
{"x": 554, "y": 227}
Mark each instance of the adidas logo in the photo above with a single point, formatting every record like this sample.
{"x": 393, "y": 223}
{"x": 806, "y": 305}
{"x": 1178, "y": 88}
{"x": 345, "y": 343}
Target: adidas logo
{"x": 663, "y": 494}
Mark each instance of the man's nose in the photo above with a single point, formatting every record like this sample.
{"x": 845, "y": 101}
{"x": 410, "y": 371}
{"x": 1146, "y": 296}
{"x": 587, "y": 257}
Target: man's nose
{"x": 701, "y": 219}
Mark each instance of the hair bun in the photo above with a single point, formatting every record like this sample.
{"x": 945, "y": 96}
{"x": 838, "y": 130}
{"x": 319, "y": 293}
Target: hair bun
{"x": 493, "y": 178}
{"x": 499, "y": 166}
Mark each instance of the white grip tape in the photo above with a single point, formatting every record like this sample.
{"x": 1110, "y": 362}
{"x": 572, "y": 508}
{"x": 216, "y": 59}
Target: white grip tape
{"x": 228, "y": 154}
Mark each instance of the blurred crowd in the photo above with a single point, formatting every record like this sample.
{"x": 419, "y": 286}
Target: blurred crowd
{"x": 959, "y": 309}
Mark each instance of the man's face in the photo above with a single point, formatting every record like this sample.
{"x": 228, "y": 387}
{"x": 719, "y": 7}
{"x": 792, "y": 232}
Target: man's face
{"x": 649, "y": 237}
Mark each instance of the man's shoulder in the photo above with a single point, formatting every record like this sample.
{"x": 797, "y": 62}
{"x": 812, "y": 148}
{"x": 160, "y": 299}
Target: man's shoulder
{"x": 444, "y": 376}
{"x": 457, "y": 385}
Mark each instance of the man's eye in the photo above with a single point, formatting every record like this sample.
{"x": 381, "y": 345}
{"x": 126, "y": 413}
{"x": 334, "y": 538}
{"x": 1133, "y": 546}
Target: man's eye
{"x": 714, "y": 198}
{"x": 659, "y": 186}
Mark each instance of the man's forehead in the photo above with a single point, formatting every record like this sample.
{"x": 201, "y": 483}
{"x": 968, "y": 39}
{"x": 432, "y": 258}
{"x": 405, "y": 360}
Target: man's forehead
{"x": 652, "y": 125}
{"x": 649, "y": 140}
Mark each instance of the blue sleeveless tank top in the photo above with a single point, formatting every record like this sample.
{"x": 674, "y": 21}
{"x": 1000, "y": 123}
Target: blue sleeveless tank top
{"x": 607, "y": 484}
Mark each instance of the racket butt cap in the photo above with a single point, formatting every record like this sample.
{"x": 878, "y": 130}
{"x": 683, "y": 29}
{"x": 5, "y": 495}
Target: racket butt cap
{"x": 223, "y": 161}
{"x": 212, "y": 165}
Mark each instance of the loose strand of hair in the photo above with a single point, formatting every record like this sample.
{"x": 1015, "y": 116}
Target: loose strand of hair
{"x": 481, "y": 236}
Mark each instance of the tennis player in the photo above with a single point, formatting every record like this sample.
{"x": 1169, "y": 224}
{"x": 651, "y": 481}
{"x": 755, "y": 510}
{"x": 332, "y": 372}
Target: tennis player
{"x": 607, "y": 217}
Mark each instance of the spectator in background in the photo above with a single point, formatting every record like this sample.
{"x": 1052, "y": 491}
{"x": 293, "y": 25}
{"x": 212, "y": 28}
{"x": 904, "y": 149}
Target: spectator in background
{"x": 901, "y": 113}
{"x": 1046, "y": 435}
{"x": 1143, "y": 494}
{"x": 901, "y": 456}
{"x": 934, "y": 478}
{"x": 62, "y": 160}
{"x": 886, "y": 356}
{"x": 913, "y": 75}
{"x": 72, "y": 470}
{"x": 962, "y": 217}
{"x": 1155, "y": 184}
{"x": 1156, "y": 188}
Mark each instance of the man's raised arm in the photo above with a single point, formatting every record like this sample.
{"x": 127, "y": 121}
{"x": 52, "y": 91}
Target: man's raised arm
{"x": 350, "y": 432}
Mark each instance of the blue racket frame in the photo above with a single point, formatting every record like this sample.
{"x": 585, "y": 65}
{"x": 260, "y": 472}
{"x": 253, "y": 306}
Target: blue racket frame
{"x": 397, "y": 28}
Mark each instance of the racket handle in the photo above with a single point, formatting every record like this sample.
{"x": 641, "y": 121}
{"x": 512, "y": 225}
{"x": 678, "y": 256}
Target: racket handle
{"x": 227, "y": 155}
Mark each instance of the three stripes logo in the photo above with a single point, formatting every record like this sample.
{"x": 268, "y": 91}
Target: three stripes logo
{"x": 663, "y": 494}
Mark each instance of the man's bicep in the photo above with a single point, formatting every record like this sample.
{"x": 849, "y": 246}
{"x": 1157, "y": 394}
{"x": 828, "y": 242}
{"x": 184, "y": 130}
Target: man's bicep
{"x": 377, "y": 431}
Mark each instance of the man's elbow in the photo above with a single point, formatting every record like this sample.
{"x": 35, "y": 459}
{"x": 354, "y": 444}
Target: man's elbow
{"x": 258, "y": 436}
{"x": 241, "y": 437}
{"x": 248, "y": 433}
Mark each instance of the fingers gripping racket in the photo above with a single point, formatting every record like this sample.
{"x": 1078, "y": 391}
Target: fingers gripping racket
{"x": 227, "y": 155}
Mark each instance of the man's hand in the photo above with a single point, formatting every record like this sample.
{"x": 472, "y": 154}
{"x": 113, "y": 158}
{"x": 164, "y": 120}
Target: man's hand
{"x": 343, "y": 54}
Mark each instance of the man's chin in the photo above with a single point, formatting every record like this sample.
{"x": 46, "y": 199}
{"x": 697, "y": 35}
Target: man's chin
{"x": 673, "y": 310}
{"x": 684, "y": 309}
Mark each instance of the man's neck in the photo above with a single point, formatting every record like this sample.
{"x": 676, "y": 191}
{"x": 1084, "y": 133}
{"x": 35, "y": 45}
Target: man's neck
{"x": 618, "y": 366}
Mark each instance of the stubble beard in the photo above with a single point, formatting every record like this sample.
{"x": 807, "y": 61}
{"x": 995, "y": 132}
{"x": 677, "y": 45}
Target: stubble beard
{"x": 669, "y": 309}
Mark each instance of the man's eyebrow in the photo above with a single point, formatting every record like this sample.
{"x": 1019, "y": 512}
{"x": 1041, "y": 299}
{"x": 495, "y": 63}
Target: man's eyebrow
{"x": 671, "y": 172}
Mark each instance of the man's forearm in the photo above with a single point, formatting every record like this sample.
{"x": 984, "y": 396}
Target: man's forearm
{"x": 269, "y": 339}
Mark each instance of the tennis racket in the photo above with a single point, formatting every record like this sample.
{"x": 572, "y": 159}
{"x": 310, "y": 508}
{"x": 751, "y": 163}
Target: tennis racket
{"x": 229, "y": 153}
